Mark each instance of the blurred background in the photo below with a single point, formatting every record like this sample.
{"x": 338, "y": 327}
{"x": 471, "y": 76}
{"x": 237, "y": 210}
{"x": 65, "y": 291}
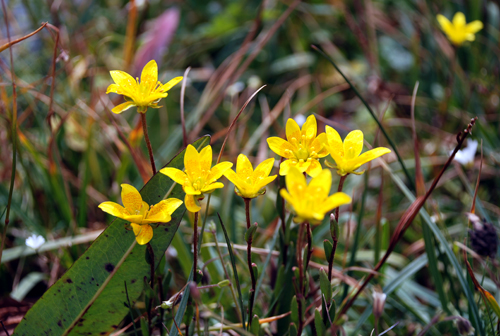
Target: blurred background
{"x": 73, "y": 153}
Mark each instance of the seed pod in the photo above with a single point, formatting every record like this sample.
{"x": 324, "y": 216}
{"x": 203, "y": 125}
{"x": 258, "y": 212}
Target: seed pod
{"x": 483, "y": 238}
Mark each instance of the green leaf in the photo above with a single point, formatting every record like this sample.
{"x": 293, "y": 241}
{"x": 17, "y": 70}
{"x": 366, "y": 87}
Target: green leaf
{"x": 292, "y": 330}
{"x": 89, "y": 298}
{"x": 294, "y": 308}
{"x": 328, "y": 246}
{"x": 325, "y": 285}
{"x": 318, "y": 323}
{"x": 255, "y": 327}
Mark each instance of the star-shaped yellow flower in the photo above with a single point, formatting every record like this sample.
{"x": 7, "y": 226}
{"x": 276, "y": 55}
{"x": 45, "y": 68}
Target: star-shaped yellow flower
{"x": 250, "y": 183}
{"x": 139, "y": 213}
{"x": 143, "y": 94}
{"x": 303, "y": 148}
{"x": 347, "y": 154}
{"x": 458, "y": 31}
{"x": 310, "y": 202}
{"x": 199, "y": 177}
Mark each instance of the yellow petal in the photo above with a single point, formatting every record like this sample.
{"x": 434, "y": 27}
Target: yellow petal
{"x": 113, "y": 209}
{"x": 292, "y": 131}
{"x": 295, "y": 182}
{"x": 353, "y": 145}
{"x": 314, "y": 168}
{"x": 321, "y": 141}
{"x": 244, "y": 167}
{"x": 143, "y": 233}
{"x": 113, "y": 88}
{"x": 459, "y": 20}
{"x": 310, "y": 127}
{"x": 188, "y": 189}
{"x": 175, "y": 174}
{"x": 321, "y": 184}
{"x": 286, "y": 195}
{"x": 281, "y": 147}
{"x": 217, "y": 171}
{"x": 285, "y": 167}
{"x": 211, "y": 187}
{"x": 474, "y": 27}
{"x": 265, "y": 181}
{"x": 334, "y": 201}
{"x": 161, "y": 212}
{"x": 370, "y": 155}
{"x": 192, "y": 203}
{"x": 335, "y": 145}
{"x": 192, "y": 162}
{"x": 264, "y": 168}
{"x": 205, "y": 158}
{"x": 124, "y": 80}
{"x": 170, "y": 84}
{"x": 132, "y": 200}
{"x": 445, "y": 24}
{"x": 149, "y": 77}
{"x": 122, "y": 107}
{"x": 234, "y": 178}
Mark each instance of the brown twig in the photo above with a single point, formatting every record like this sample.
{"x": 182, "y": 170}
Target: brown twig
{"x": 11, "y": 43}
{"x": 407, "y": 219}
{"x": 195, "y": 243}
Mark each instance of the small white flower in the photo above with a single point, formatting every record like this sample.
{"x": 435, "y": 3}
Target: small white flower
{"x": 35, "y": 241}
{"x": 466, "y": 155}
{"x": 300, "y": 119}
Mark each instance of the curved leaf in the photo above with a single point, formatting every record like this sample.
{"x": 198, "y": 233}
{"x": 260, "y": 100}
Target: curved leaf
{"x": 89, "y": 298}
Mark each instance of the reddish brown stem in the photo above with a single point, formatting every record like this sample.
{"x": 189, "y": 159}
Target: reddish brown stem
{"x": 148, "y": 143}
{"x": 249, "y": 260}
{"x": 195, "y": 243}
{"x": 334, "y": 237}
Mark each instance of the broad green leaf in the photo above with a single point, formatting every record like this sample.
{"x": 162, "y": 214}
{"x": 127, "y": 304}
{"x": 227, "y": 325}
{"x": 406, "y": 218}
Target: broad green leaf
{"x": 89, "y": 298}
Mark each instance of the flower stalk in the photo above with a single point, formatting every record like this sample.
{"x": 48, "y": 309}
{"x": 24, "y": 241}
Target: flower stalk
{"x": 249, "y": 239}
{"x": 334, "y": 230}
{"x": 195, "y": 243}
{"x": 148, "y": 143}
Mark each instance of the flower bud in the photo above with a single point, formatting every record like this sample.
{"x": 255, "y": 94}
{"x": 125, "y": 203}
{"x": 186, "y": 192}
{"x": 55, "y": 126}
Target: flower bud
{"x": 464, "y": 326}
{"x": 483, "y": 237}
{"x": 223, "y": 283}
{"x": 378, "y": 304}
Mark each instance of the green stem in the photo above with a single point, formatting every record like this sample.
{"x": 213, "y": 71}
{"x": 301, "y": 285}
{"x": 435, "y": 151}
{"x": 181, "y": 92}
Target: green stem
{"x": 195, "y": 243}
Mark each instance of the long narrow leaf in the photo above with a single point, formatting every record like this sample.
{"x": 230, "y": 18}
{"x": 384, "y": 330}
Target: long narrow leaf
{"x": 89, "y": 298}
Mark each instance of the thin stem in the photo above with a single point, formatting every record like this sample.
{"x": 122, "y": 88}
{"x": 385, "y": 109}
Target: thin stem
{"x": 195, "y": 243}
{"x": 148, "y": 143}
{"x": 249, "y": 260}
{"x": 225, "y": 272}
{"x": 334, "y": 237}
{"x": 13, "y": 133}
{"x": 339, "y": 189}
{"x": 183, "y": 123}
{"x": 301, "y": 286}
{"x": 309, "y": 244}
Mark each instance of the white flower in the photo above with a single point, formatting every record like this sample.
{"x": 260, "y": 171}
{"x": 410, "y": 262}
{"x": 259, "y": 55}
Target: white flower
{"x": 35, "y": 241}
{"x": 466, "y": 155}
{"x": 300, "y": 119}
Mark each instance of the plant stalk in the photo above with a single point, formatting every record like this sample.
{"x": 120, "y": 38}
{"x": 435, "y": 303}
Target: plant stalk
{"x": 195, "y": 243}
{"x": 249, "y": 260}
{"x": 335, "y": 237}
{"x": 148, "y": 143}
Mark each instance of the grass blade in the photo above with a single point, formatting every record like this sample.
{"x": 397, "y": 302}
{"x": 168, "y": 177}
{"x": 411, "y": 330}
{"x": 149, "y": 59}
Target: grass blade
{"x": 233, "y": 264}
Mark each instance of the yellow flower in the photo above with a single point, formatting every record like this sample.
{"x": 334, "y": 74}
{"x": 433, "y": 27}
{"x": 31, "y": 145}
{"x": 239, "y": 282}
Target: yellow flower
{"x": 347, "y": 155}
{"x": 143, "y": 94}
{"x": 303, "y": 148}
{"x": 139, "y": 213}
{"x": 250, "y": 183}
{"x": 311, "y": 202}
{"x": 198, "y": 178}
{"x": 458, "y": 31}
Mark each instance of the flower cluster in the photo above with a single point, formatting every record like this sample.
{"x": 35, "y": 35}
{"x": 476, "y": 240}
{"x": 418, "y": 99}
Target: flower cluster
{"x": 301, "y": 151}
